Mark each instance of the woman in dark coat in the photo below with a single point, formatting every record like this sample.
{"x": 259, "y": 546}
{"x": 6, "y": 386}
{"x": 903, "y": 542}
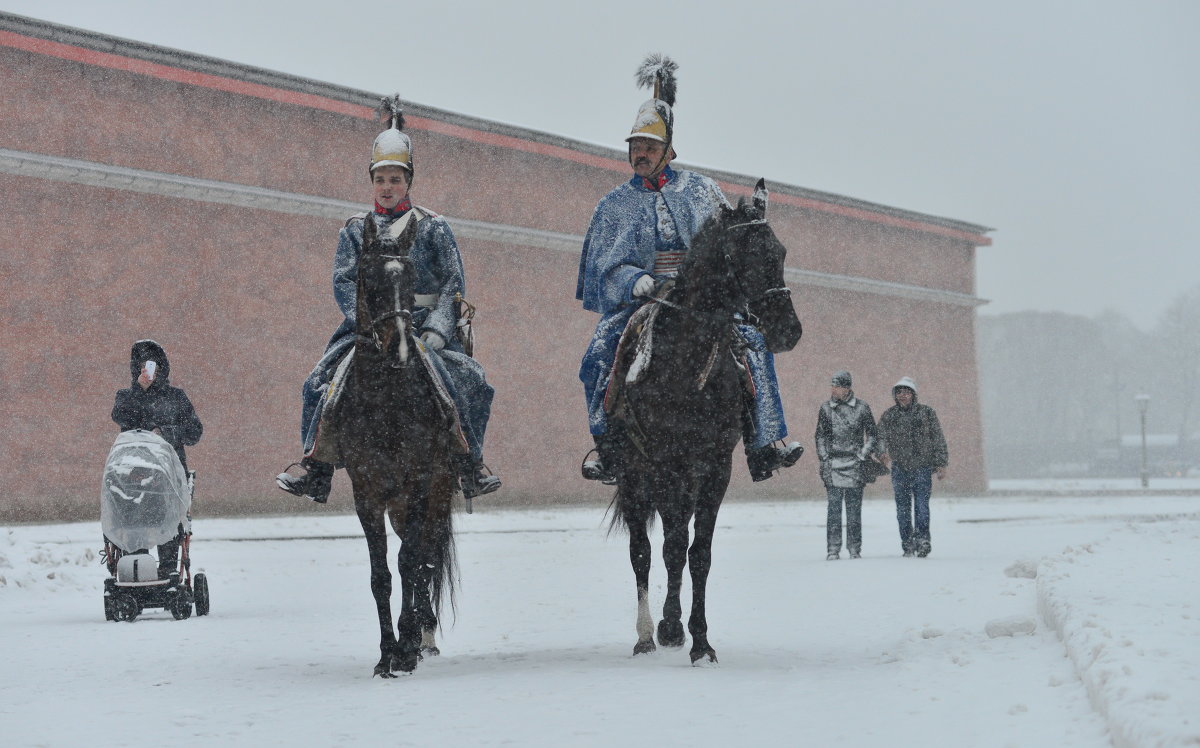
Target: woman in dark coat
{"x": 150, "y": 403}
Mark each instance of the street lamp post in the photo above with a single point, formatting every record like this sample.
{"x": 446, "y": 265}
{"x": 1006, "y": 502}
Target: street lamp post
{"x": 1143, "y": 404}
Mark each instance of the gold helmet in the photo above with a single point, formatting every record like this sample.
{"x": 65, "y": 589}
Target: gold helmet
{"x": 655, "y": 120}
{"x": 392, "y": 147}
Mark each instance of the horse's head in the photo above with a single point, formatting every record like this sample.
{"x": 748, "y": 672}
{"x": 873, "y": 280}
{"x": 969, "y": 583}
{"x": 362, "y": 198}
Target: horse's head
{"x": 386, "y": 288}
{"x": 757, "y": 257}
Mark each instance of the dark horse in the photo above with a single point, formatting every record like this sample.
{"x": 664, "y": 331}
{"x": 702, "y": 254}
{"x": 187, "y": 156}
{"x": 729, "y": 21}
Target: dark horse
{"x": 396, "y": 446}
{"x": 682, "y": 418}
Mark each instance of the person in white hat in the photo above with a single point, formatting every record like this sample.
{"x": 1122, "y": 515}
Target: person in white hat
{"x": 638, "y": 236}
{"x": 440, "y": 280}
{"x": 915, "y": 450}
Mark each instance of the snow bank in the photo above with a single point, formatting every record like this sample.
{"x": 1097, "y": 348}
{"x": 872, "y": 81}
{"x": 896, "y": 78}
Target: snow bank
{"x": 1126, "y": 609}
{"x": 44, "y": 566}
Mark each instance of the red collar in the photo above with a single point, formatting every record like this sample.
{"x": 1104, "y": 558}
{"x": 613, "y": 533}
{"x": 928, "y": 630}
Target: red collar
{"x": 657, "y": 184}
{"x": 401, "y": 208}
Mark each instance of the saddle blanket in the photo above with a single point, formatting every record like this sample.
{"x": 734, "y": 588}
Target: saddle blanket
{"x": 326, "y": 445}
{"x": 635, "y": 351}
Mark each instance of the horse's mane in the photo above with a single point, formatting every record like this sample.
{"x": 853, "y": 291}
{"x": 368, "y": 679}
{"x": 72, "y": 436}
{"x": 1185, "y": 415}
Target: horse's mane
{"x": 706, "y": 245}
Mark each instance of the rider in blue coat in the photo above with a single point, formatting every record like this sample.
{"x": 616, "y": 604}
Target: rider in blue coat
{"x": 638, "y": 236}
{"x": 439, "y": 279}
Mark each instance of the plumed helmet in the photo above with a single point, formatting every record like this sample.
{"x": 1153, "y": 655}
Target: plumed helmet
{"x": 392, "y": 147}
{"x": 655, "y": 119}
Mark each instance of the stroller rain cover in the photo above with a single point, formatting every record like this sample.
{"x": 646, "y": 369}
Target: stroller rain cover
{"x": 145, "y": 494}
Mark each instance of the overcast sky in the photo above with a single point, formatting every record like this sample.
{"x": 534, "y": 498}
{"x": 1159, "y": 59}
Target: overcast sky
{"x": 1072, "y": 128}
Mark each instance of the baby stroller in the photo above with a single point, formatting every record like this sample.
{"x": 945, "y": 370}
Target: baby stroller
{"x": 145, "y": 501}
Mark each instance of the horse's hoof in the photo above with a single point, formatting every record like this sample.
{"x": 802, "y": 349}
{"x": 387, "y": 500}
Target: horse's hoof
{"x": 645, "y": 647}
{"x": 405, "y": 663}
{"x": 700, "y": 654}
{"x": 670, "y": 633}
{"x": 383, "y": 670}
{"x": 430, "y": 651}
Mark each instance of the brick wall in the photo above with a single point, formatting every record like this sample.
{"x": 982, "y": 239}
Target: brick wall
{"x": 240, "y": 299}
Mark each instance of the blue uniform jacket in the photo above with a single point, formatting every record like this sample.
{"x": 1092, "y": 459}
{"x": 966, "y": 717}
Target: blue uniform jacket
{"x": 439, "y": 271}
{"x": 630, "y": 224}
{"x": 627, "y": 227}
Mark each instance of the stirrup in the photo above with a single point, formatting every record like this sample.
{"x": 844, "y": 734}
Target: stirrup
{"x": 595, "y": 469}
{"x": 474, "y": 482}
{"x": 314, "y": 484}
{"x": 290, "y": 483}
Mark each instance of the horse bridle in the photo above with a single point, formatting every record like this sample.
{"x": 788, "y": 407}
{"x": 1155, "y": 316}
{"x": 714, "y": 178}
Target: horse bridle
{"x": 405, "y": 314}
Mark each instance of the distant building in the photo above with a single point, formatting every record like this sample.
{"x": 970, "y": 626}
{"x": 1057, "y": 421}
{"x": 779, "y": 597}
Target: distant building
{"x": 156, "y": 193}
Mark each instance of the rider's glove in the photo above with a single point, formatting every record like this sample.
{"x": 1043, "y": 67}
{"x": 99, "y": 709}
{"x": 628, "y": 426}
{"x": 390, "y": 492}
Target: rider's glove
{"x": 433, "y": 341}
{"x": 643, "y": 286}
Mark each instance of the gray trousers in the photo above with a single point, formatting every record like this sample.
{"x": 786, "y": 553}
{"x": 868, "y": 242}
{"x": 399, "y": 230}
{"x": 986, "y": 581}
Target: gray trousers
{"x": 852, "y": 499}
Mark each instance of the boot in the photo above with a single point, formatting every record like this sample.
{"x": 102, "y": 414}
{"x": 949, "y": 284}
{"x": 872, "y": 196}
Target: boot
{"x": 607, "y": 463}
{"x": 316, "y": 483}
{"x": 473, "y": 480}
{"x": 764, "y": 461}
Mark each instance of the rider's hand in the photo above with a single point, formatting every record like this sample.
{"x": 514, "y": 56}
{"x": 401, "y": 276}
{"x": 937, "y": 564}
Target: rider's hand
{"x": 643, "y": 286}
{"x": 433, "y": 341}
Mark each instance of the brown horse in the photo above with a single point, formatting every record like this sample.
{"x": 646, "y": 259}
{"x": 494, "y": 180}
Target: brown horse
{"x": 396, "y": 446}
{"x": 682, "y": 418}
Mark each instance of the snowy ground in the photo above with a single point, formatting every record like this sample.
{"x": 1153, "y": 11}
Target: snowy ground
{"x": 1050, "y": 486}
{"x": 883, "y": 651}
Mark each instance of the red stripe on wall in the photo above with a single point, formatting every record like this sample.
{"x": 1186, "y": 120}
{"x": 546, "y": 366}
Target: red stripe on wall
{"x": 206, "y": 80}
{"x": 865, "y": 215}
{"x": 166, "y": 72}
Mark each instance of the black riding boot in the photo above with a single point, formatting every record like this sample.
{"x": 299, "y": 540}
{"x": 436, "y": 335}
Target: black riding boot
{"x": 471, "y": 477}
{"x": 316, "y": 483}
{"x": 607, "y": 466}
{"x": 764, "y": 461}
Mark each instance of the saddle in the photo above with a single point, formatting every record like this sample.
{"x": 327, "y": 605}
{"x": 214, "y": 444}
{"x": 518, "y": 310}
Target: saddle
{"x": 327, "y": 444}
{"x": 635, "y": 350}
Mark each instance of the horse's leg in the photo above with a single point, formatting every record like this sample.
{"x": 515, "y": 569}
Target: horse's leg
{"x": 700, "y": 562}
{"x": 675, "y": 518}
{"x": 370, "y": 515}
{"x": 426, "y": 618}
{"x": 640, "y": 554}
{"x": 412, "y": 572}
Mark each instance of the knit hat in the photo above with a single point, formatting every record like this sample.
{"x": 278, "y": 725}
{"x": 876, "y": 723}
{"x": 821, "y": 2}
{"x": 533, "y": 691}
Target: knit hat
{"x": 841, "y": 379}
{"x": 904, "y": 382}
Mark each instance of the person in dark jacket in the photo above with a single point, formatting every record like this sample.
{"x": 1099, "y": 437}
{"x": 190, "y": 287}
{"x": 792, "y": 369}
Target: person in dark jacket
{"x": 150, "y": 403}
{"x": 915, "y": 449}
{"x": 845, "y": 438}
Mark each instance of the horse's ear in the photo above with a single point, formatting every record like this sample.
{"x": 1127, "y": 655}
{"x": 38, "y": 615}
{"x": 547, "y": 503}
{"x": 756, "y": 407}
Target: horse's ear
{"x": 409, "y": 235}
{"x": 760, "y": 198}
{"x": 370, "y": 235}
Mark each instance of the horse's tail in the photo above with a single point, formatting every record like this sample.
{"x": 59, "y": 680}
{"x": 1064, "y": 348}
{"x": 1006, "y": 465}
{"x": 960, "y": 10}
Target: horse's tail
{"x": 443, "y": 558}
{"x": 626, "y": 510}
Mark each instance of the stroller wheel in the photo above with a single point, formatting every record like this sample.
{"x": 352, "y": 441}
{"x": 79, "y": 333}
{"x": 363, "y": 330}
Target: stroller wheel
{"x": 181, "y": 606}
{"x": 200, "y": 590}
{"x": 124, "y": 607}
{"x": 110, "y": 589}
